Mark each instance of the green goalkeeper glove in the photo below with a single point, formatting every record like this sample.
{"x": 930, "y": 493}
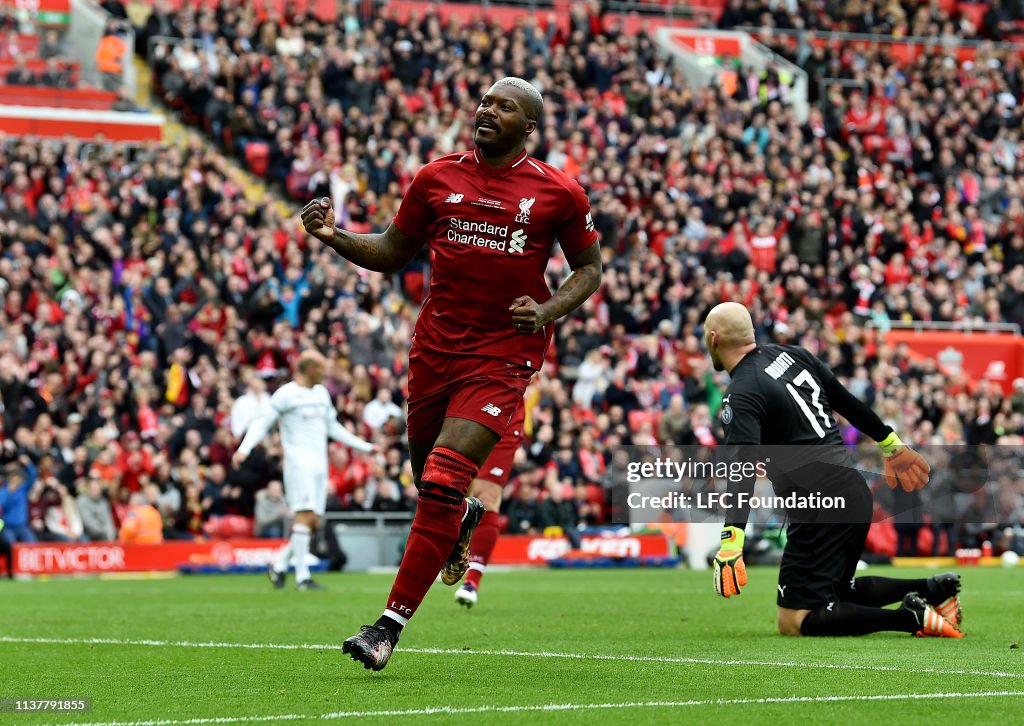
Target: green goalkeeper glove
{"x": 903, "y": 465}
{"x": 730, "y": 572}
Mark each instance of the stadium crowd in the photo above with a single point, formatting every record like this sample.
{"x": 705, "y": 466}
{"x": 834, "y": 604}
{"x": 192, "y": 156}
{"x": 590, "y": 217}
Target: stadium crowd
{"x": 148, "y": 306}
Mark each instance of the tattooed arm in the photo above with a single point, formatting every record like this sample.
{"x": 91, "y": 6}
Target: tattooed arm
{"x": 528, "y": 316}
{"x": 387, "y": 252}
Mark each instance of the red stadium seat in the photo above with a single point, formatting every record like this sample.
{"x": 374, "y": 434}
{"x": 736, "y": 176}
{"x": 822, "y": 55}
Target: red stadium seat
{"x": 38, "y": 67}
{"x": 595, "y": 496}
{"x": 297, "y": 185}
{"x": 973, "y": 12}
{"x": 257, "y": 157}
{"x": 881, "y": 539}
{"x": 229, "y": 526}
{"x": 639, "y": 418}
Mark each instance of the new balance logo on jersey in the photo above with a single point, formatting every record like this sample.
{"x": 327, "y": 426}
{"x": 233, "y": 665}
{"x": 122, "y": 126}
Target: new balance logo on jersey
{"x": 497, "y": 471}
{"x": 491, "y": 409}
{"x": 524, "y": 210}
{"x": 590, "y": 222}
{"x": 779, "y": 366}
{"x": 454, "y": 198}
{"x": 518, "y": 242}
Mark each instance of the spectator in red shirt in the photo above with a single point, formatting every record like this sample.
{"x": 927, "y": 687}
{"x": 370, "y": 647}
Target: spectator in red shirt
{"x": 133, "y": 461}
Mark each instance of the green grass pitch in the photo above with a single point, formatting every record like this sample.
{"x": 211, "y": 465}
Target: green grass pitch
{"x": 168, "y": 652}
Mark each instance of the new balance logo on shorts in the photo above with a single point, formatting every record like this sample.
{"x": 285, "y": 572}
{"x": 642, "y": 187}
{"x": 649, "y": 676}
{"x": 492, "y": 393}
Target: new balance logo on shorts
{"x": 454, "y": 198}
{"x": 491, "y": 409}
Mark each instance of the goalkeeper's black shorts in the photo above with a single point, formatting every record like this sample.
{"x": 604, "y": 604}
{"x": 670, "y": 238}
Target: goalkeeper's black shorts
{"x": 823, "y": 548}
{"x": 819, "y": 562}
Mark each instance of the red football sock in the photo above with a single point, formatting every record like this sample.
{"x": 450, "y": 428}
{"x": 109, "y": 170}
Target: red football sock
{"x": 435, "y": 529}
{"x": 481, "y": 546}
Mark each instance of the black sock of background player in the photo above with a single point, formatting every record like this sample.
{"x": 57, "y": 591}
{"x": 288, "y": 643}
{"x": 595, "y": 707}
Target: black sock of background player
{"x": 876, "y": 592}
{"x": 845, "y": 618}
{"x": 7, "y": 553}
{"x": 390, "y": 625}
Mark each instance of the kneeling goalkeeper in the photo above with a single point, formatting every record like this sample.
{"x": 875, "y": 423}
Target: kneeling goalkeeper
{"x": 779, "y": 404}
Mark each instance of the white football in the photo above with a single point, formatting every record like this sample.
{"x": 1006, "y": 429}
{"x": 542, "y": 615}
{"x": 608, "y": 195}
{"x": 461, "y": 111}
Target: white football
{"x": 1010, "y": 559}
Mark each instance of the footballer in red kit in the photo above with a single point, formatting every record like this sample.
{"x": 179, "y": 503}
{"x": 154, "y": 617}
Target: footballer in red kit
{"x": 491, "y": 246}
{"x": 491, "y": 216}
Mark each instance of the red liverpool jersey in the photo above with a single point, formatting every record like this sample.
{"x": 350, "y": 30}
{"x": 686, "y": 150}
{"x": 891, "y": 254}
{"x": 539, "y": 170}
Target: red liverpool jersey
{"x": 491, "y": 231}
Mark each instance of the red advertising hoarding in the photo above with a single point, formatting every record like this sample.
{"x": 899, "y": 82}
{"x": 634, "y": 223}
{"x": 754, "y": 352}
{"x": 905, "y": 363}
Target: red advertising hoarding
{"x": 715, "y": 46}
{"x": 55, "y": 558}
{"x": 982, "y": 356}
{"x": 527, "y": 550}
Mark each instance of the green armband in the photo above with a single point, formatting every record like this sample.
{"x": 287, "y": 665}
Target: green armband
{"x": 889, "y": 444}
{"x": 732, "y": 539}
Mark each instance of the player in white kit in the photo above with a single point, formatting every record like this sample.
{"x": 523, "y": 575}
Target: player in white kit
{"x": 307, "y": 418}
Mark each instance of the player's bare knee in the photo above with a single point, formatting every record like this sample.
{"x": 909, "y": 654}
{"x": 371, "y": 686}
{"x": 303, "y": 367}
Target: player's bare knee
{"x": 488, "y": 492}
{"x": 468, "y": 438}
{"x": 789, "y": 621}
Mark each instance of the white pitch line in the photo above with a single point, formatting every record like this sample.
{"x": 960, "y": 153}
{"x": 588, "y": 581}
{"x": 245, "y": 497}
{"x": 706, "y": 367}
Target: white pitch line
{"x": 678, "y": 660}
{"x": 549, "y": 707}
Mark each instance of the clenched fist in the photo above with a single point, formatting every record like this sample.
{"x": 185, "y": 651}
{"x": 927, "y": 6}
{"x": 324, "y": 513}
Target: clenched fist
{"x": 318, "y": 219}
{"x": 528, "y": 316}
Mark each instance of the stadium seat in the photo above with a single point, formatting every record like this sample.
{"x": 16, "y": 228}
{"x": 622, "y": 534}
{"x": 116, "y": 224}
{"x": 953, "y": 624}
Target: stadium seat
{"x": 973, "y": 12}
{"x": 257, "y": 157}
{"x": 638, "y": 418}
{"x": 228, "y": 526}
{"x": 297, "y": 185}
{"x": 881, "y": 539}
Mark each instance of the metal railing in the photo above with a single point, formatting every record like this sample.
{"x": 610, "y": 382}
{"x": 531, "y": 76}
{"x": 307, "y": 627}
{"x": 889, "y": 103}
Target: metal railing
{"x": 964, "y": 326}
{"x": 614, "y": 7}
{"x": 877, "y": 39}
{"x": 369, "y": 539}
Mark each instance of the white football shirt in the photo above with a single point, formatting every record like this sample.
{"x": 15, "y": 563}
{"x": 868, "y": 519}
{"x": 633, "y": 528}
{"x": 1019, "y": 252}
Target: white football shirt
{"x": 306, "y": 418}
